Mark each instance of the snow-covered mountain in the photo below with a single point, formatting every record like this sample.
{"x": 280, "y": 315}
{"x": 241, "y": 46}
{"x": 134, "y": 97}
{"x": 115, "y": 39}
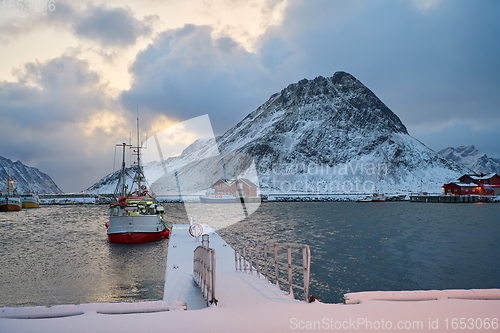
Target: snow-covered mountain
{"x": 26, "y": 178}
{"x": 336, "y": 134}
{"x": 472, "y": 159}
{"x": 327, "y": 135}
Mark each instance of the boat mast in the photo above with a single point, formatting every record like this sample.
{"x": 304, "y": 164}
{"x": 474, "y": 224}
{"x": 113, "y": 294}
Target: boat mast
{"x": 121, "y": 185}
{"x": 139, "y": 168}
{"x": 10, "y": 183}
{"x": 139, "y": 174}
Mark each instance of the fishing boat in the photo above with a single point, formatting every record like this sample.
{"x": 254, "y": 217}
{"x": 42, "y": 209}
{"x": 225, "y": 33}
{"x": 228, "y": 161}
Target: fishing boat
{"x": 375, "y": 197}
{"x": 135, "y": 216}
{"x": 30, "y": 200}
{"x": 378, "y": 197}
{"x": 218, "y": 197}
{"x": 365, "y": 199}
{"x": 10, "y": 201}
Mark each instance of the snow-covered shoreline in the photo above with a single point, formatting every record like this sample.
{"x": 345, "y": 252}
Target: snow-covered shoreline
{"x": 89, "y": 198}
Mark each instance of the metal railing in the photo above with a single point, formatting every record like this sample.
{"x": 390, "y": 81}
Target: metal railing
{"x": 275, "y": 263}
{"x": 204, "y": 272}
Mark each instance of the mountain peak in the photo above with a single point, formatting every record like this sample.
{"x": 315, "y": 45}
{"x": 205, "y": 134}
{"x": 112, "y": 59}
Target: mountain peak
{"x": 470, "y": 157}
{"x": 342, "y": 78}
{"x": 324, "y": 108}
{"x": 26, "y": 178}
{"x": 459, "y": 152}
{"x": 344, "y": 96}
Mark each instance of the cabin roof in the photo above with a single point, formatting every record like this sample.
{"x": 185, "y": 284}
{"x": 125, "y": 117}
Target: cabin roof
{"x": 488, "y": 176}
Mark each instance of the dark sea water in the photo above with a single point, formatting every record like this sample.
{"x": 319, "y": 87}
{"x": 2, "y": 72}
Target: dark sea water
{"x": 384, "y": 246}
{"x": 60, "y": 254}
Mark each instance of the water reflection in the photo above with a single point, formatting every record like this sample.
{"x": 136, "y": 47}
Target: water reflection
{"x": 60, "y": 255}
{"x": 136, "y": 271}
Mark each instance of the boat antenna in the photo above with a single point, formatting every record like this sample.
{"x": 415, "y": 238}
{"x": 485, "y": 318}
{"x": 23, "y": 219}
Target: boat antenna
{"x": 139, "y": 174}
{"x": 121, "y": 186}
{"x": 138, "y": 140}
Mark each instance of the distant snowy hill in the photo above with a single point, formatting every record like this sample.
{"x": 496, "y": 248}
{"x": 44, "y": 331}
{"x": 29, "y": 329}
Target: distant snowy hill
{"x": 108, "y": 183}
{"x": 26, "y": 179}
{"x": 472, "y": 159}
{"x": 327, "y": 135}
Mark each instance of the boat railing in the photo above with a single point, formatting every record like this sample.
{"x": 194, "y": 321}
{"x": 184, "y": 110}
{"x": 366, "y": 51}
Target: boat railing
{"x": 204, "y": 272}
{"x": 285, "y": 265}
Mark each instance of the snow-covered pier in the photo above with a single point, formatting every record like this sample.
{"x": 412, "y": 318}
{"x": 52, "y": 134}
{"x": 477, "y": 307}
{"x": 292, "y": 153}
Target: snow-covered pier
{"x": 247, "y": 303}
{"x": 232, "y": 288}
{"x": 450, "y": 198}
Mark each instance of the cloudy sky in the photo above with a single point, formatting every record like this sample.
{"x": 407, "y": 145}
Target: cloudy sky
{"x": 74, "y": 73}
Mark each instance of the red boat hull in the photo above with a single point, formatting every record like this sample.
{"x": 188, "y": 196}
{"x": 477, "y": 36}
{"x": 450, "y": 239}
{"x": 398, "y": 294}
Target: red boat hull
{"x": 138, "y": 237}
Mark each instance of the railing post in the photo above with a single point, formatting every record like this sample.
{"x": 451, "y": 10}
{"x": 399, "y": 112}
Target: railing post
{"x": 205, "y": 240}
{"x": 213, "y": 264}
{"x": 206, "y": 272}
{"x": 306, "y": 264}
{"x": 265, "y": 261}
{"x": 276, "y": 269}
{"x": 242, "y": 262}
{"x": 236, "y": 260}
{"x": 250, "y": 259}
{"x": 290, "y": 273}
{"x": 257, "y": 260}
{"x": 245, "y": 259}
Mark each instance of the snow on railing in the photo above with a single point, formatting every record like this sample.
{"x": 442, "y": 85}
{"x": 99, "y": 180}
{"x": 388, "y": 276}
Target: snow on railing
{"x": 204, "y": 272}
{"x": 275, "y": 264}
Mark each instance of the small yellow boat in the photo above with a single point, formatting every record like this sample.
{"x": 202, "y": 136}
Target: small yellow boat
{"x": 10, "y": 201}
{"x": 30, "y": 200}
